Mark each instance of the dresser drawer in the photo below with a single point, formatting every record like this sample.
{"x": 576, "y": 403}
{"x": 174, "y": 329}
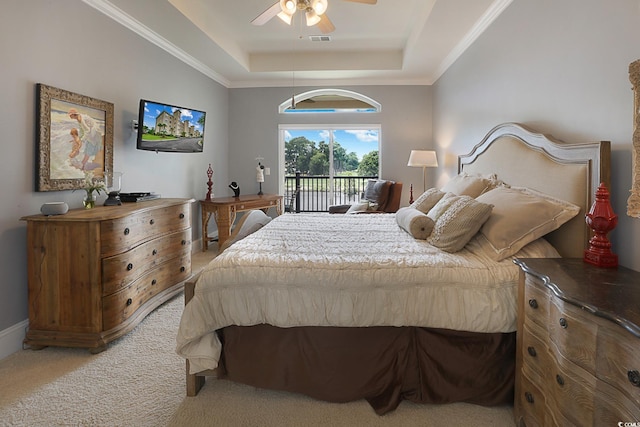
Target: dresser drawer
{"x": 120, "y": 270}
{"x": 532, "y": 402}
{"x": 535, "y": 352}
{"x": 122, "y": 234}
{"x": 618, "y": 360}
{"x": 536, "y": 301}
{"x": 121, "y": 305}
{"x": 570, "y": 390}
{"x": 612, "y": 407}
{"x": 574, "y": 337}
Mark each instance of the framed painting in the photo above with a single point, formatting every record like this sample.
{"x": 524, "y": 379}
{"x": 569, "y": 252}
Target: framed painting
{"x": 75, "y": 139}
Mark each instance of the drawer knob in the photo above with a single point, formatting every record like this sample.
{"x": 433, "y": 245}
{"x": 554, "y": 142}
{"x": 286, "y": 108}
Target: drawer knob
{"x": 129, "y": 267}
{"x": 533, "y": 303}
{"x": 634, "y": 377}
{"x": 129, "y": 302}
{"x": 559, "y": 379}
{"x": 181, "y": 216}
{"x": 184, "y": 242}
{"x": 152, "y": 222}
{"x": 126, "y": 231}
{"x": 182, "y": 269}
{"x": 153, "y": 282}
{"x": 528, "y": 396}
{"x": 563, "y": 322}
{"x": 154, "y": 252}
{"x": 532, "y": 351}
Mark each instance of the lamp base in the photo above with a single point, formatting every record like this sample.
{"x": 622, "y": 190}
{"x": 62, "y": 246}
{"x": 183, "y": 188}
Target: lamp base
{"x": 601, "y": 260}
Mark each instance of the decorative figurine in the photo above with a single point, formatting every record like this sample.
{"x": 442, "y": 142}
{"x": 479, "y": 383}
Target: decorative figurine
{"x": 236, "y": 189}
{"x": 209, "y": 183}
{"x": 601, "y": 219}
{"x": 260, "y": 176}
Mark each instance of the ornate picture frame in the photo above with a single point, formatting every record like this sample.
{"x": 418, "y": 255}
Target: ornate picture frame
{"x": 633, "y": 203}
{"x": 75, "y": 139}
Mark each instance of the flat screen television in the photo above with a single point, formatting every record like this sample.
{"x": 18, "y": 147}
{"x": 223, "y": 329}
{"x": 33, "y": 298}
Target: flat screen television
{"x": 169, "y": 128}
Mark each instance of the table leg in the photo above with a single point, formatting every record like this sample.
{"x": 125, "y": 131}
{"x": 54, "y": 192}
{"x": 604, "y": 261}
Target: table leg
{"x": 224, "y": 221}
{"x": 206, "y": 215}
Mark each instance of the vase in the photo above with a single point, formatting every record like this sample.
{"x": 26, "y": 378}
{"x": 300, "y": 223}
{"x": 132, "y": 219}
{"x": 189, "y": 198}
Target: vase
{"x": 89, "y": 201}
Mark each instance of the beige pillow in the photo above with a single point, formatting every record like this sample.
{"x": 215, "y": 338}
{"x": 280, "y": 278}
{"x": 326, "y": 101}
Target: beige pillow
{"x": 443, "y": 204}
{"x": 358, "y": 207}
{"x": 471, "y": 185}
{"x": 427, "y": 200}
{"x": 414, "y": 222}
{"x": 520, "y": 216}
{"x": 458, "y": 223}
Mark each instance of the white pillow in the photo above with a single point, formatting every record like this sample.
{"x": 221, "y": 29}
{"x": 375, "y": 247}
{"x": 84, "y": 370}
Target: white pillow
{"x": 520, "y": 216}
{"x": 471, "y": 185}
{"x": 358, "y": 207}
{"x": 427, "y": 200}
{"x": 414, "y": 222}
{"x": 458, "y": 223}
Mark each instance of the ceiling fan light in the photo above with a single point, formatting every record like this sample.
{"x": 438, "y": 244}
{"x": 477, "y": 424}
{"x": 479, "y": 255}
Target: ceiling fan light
{"x": 319, "y": 6}
{"x": 285, "y": 17}
{"x": 288, "y": 6}
{"x": 312, "y": 18}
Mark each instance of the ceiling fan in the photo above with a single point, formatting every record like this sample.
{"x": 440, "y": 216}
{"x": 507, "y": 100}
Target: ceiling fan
{"x": 314, "y": 12}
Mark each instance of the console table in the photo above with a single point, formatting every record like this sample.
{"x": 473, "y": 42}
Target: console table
{"x": 224, "y": 211}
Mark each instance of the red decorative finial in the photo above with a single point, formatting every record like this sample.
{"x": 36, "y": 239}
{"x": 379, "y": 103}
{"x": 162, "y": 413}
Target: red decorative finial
{"x": 411, "y": 194}
{"x": 601, "y": 219}
{"x": 209, "y": 183}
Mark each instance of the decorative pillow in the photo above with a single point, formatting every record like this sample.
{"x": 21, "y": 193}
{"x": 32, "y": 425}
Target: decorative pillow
{"x": 443, "y": 204}
{"x": 358, "y": 207}
{"x": 471, "y": 185}
{"x": 377, "y": 191}
{"x": 250, "y": 222}
{"x": 414, "y": 222}
{"x": 458, "y": 223}
{"x": 520, "y": 216}
{"x": 427, "y": 200}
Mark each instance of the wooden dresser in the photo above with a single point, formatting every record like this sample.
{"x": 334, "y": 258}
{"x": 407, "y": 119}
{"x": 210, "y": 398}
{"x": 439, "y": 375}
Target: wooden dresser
{"x": 95, "y": 274}
{"x": 578, "y": 352}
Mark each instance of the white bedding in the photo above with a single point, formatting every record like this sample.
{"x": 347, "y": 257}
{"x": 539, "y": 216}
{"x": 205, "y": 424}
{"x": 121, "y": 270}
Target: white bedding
{"x": 347, "y": 270}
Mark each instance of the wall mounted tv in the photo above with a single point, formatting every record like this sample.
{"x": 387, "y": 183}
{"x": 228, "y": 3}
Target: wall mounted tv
{"x": 169, "y": 128}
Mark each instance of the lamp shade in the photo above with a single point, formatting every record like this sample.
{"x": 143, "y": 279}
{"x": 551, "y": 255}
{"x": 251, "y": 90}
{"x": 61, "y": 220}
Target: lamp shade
{"x": 423, "y": 158}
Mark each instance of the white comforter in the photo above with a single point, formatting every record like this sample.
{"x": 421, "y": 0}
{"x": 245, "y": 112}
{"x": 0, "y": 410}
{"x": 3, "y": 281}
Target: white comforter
{"x": 347, "y": 270}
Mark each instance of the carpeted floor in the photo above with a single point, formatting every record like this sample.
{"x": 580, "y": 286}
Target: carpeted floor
{"x": 139, "y": 381}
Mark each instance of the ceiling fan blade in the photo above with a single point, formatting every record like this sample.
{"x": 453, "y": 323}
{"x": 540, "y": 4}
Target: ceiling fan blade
{"x": 363, "y": 1}
{"x": 325, "y": 25}
{"x": 265, "y": 16}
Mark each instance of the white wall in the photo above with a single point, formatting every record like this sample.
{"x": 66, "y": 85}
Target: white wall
{"x": 69, "y": 45}
{"x": 560, "y": 67}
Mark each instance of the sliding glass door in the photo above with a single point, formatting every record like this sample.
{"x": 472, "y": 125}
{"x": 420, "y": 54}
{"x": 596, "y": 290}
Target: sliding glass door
{"x": 324, "y": 166}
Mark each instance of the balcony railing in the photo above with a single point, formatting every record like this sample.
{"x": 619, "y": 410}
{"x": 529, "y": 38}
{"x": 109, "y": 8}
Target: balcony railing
{"x": 316, "y": 193}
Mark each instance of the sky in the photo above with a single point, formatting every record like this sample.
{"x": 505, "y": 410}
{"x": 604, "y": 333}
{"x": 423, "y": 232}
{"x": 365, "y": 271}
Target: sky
{"x": 353, "y": 140}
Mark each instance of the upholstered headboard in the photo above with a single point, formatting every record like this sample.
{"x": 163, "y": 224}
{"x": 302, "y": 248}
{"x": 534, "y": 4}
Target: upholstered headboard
{"x": 572, "y": 172}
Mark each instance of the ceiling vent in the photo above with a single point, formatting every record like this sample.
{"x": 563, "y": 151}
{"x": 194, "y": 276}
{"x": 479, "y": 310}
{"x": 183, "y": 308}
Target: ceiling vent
{"x": 320, "y": 38}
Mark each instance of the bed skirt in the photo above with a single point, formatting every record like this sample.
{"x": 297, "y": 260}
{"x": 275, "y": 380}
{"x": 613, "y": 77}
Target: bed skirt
{"x": 383, "y": 365}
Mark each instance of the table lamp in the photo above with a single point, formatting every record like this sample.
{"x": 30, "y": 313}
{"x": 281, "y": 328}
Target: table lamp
{"x": 424, "y": 159}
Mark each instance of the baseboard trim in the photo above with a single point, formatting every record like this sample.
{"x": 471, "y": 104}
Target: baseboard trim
{"x": 12, "y": 337}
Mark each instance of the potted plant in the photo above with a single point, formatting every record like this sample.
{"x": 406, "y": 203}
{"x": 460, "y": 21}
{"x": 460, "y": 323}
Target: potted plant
{"x": 92, "y": 185}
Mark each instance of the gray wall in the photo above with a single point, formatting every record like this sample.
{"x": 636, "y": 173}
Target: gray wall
{"x": 69, "y": 45}
{"x": 253, "y": 130}
{"x": 560, "y": 67}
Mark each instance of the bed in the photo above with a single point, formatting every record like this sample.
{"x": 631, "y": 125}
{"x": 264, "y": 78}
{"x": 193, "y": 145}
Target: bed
{"x": 348, "y": 307}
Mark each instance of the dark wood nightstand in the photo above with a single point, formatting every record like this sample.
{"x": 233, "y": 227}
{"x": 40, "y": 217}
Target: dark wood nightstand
{"x": 578, "y": 351}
